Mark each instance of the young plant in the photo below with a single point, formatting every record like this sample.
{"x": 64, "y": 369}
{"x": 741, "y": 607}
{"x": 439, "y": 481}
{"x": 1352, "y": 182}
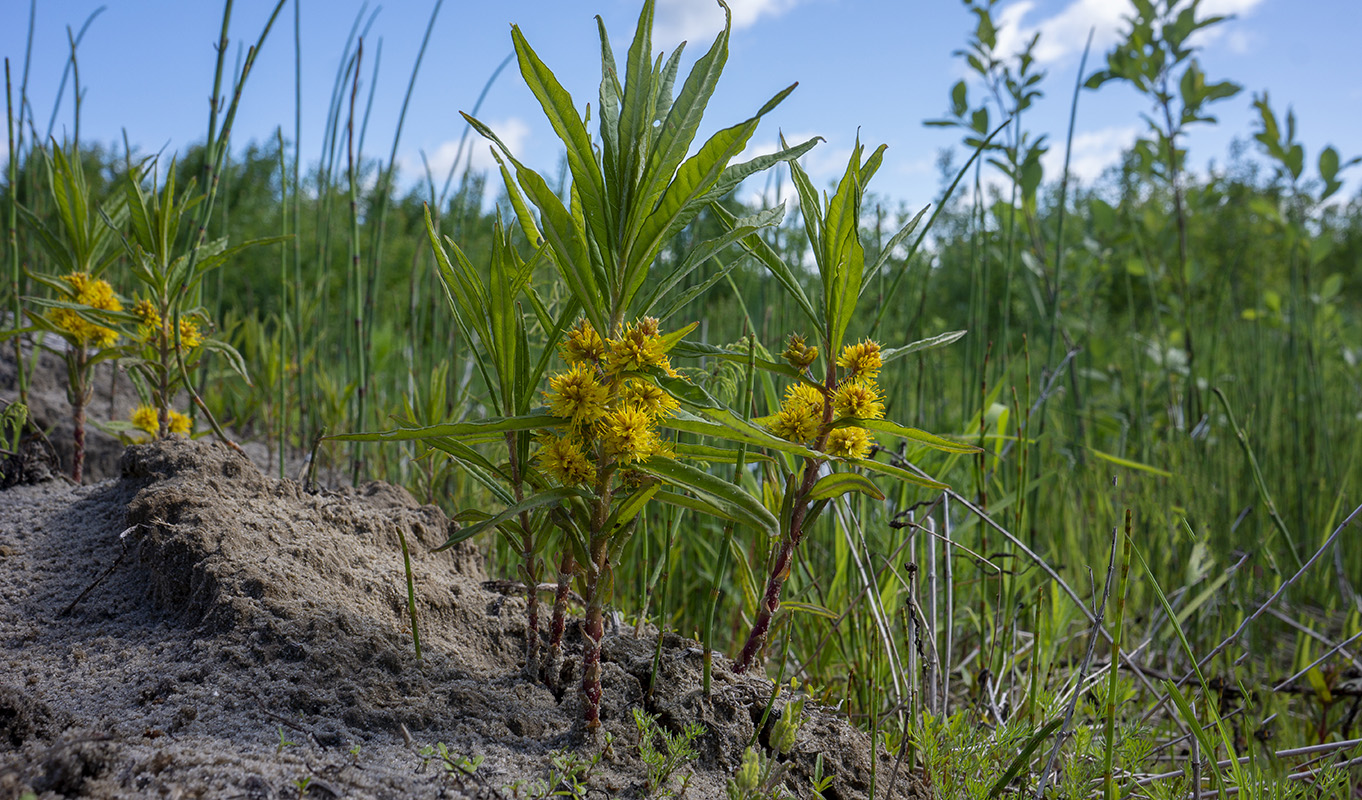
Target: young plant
{"x": 168, "y": 337}
{"x": 678, "y": 750}
{"x": 829, "y": 419}
{"x": 83, "y": 310}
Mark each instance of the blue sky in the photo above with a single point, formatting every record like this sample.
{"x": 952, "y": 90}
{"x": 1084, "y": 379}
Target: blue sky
{"x": 146, "y": 67}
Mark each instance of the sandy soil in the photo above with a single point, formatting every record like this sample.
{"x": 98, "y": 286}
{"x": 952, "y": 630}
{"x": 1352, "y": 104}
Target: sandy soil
{"x": 162, "y": 631}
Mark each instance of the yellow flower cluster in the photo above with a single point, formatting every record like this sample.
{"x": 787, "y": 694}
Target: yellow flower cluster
{"x": 96, "y": 294}
{"x": 613, "y": 407}
{"x": 145, "y": 418}
{"x": 857, "y": 395}
{"x": 151, "y": 324}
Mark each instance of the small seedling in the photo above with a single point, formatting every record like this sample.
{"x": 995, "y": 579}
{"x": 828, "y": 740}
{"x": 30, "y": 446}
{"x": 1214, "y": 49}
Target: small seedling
{"x": 283, "y": 742}
{"x": 452, "y": 762}
{"x": 759, "y": 778}
{"x": 678, "y": 750}
{"x": 302, "y": 784}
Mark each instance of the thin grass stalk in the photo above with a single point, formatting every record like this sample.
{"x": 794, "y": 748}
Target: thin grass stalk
{"x": 12, "y": 218}
{"x": 300, "y": 388}
{"x": 1056, "y": 289}
{"x": 1083, "y": 670}
{"x": 354, "y": 363}
{"x": 664, "y": 607}
{"x": 724, "y": 553}
{"x": 1108, "y": 758}
{"x": 215, "y": 151}
{"x": 384, "y": 190}
{"x": 1258, "y": 481}
{"x": 281, "y": 351}
{"x": 468, "y": 129}
{"x": 74, "y": 42}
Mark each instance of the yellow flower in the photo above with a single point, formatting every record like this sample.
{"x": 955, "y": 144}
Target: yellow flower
{"x": 96, "y": 294}
{"x": 583, "y": 344}
{"x": 639, "y": 347}
{"x": 148, "y": 419}
{"x": 858, "y": 399}
{"x": 577, "y": 394}
{"x": 563, "y": 458}
{"x": 803, "y": 397}
{"x": 629, "y": 435}
{"x": 861, "y": 360}
{"x": 798, "y": 354}
{"x": 849, "y": 442}
{"x": 145, "y": 418}
{"x": 795, "y": 424}
{"x": 149, "y": 317}
{"x": 180, "y": 423}
{"x": 649, "y": 398}
{"x": 190, "y": 336}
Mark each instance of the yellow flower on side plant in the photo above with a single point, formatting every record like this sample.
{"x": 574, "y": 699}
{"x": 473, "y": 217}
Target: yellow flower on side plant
{"x": 849, "y": 442}
{"x": 861, "y": 360}
{"x": 148, "y": 318}
{"x": 96, "y": 294}
{"x": 190, "y": 337}
{"x": 577, "y": 395}
{"x": 859, "y": 398}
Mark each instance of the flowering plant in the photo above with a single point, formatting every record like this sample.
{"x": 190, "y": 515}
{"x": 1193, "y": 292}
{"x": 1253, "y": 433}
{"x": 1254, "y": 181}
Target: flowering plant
{"x": 83, "y": 310}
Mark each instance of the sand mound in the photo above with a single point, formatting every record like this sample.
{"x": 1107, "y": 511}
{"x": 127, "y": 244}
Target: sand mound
{"x": 195, "y": 629}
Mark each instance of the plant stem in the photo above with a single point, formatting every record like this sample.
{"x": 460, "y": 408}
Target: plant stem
{"x": 799, "y": 510}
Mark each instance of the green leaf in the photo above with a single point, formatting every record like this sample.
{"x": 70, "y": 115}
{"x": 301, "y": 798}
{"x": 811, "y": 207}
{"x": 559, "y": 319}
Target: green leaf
{"x": 839, "y": 483}
{"x": 682, "y": 121}
{"x": 889, "y": 247}
{"x": 1023, "y": 758}
{"x": 549, "y": 497}
{"x": 465, "y": 430}
{"x": 687, "y": 192}
{"x": 563, "y": 116}
{"x": 809, "y": 608}
{"x": 940, "y": 340}
{"x": 707, "y": 249}
{"x": 911, "y": 434}
{"x": 734, "y": 501}
{"x": 717, "y": 455}
{"x": 1125, "y": 462}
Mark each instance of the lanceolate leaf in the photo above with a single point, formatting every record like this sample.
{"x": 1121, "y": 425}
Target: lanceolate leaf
{"x": 733, "y": 500}
{"x": 558, "y": 107}
{"x": 686, "y": 193}
{"x": 911, "y": 434}
{"x": 549, "y": 497}
{"x": 897, "y": 472}
{"x": 840, "y": 483}
{"x": 889, "y": 247}
{"x": 463, "y": 430}
{"x": 940, "y": 340}
{"x": 681, "y": 122}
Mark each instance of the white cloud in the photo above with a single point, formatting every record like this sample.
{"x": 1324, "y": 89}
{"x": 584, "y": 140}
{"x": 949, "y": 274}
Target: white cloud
{"x": 514, "y": 131}
{"x": 1064, "y": 33}
{"x": 699, "y": 21}
{"x": 1093, "y": 152}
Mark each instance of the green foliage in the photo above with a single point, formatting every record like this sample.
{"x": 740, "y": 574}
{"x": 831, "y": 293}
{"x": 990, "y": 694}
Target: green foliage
{"x": 676, "y": 750}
